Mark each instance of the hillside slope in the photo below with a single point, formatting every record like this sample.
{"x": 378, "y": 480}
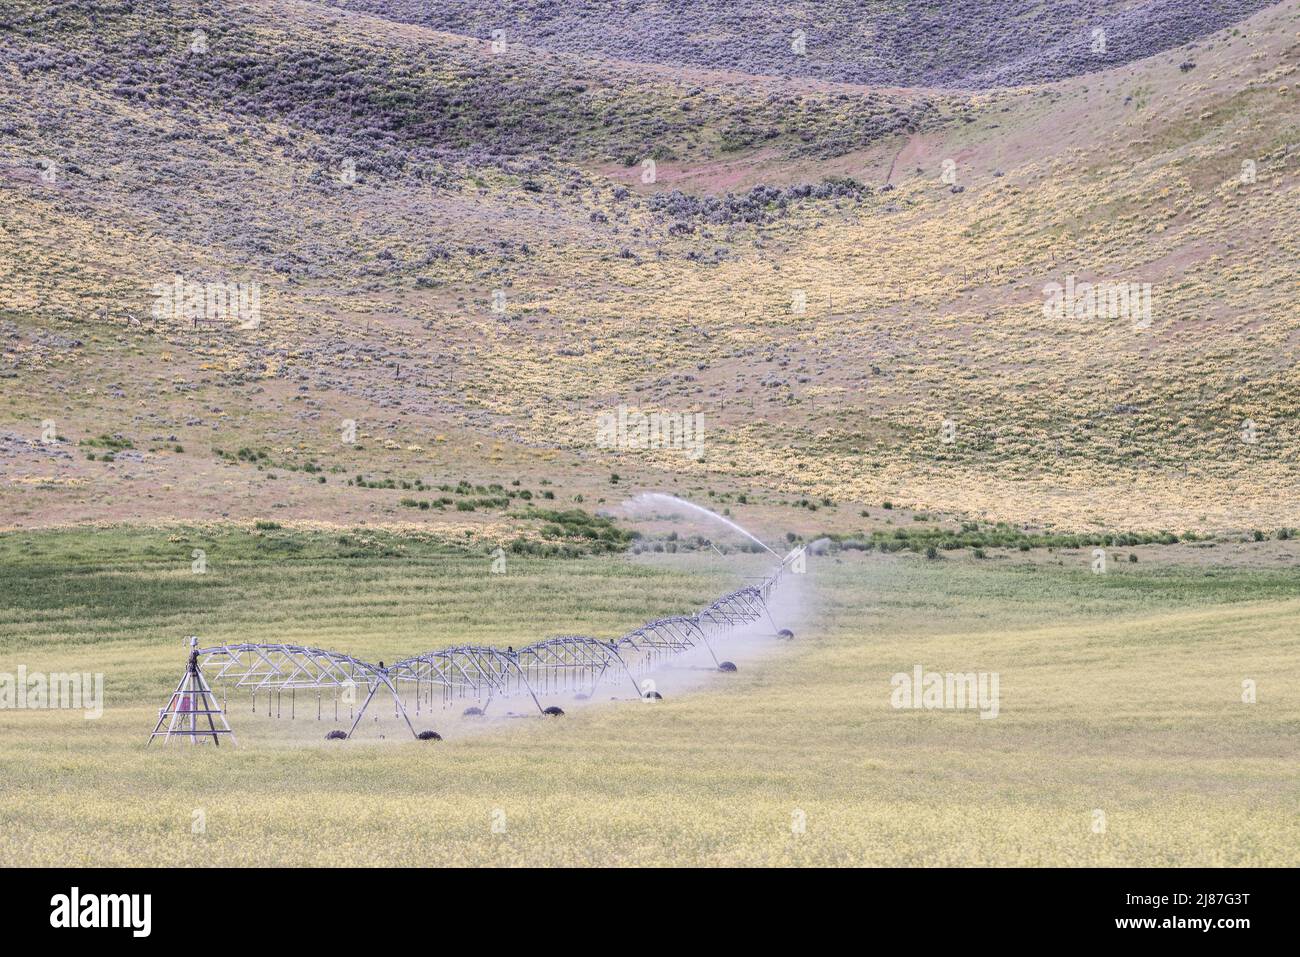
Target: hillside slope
{"x": 467, "y": 255}
{"x": 959, "y": 43}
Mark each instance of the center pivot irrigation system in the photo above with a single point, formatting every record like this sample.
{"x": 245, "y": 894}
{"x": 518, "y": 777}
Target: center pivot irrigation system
{"x": 477, "y": 673}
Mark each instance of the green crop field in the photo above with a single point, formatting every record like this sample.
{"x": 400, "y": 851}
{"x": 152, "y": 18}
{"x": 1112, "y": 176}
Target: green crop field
{"x": 1121, "y": 735}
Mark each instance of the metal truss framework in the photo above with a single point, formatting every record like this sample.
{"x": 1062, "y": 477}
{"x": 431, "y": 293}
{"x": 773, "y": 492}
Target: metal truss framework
{"x": 575, "y": 663}
{"x": 572, "y": 663}
{"x": 477, "y": 672}
{"x": 274, "y": 670}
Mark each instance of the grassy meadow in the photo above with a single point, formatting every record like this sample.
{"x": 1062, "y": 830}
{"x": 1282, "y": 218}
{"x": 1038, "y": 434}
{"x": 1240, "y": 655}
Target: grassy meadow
{"x": 1119, "y": 693}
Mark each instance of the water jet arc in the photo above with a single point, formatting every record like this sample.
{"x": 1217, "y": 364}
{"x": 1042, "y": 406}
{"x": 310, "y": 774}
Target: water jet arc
{"x": 646, "y": 499}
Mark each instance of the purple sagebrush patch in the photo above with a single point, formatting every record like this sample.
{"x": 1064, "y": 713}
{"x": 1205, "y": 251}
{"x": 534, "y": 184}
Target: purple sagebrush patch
{"x": 960, "y": 43}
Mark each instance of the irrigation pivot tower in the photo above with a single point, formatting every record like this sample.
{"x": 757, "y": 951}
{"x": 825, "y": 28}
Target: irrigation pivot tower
{"x": 192, "y": 704}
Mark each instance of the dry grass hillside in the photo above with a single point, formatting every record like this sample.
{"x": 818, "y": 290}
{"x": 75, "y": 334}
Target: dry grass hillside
{"x": 472, "y": 254}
